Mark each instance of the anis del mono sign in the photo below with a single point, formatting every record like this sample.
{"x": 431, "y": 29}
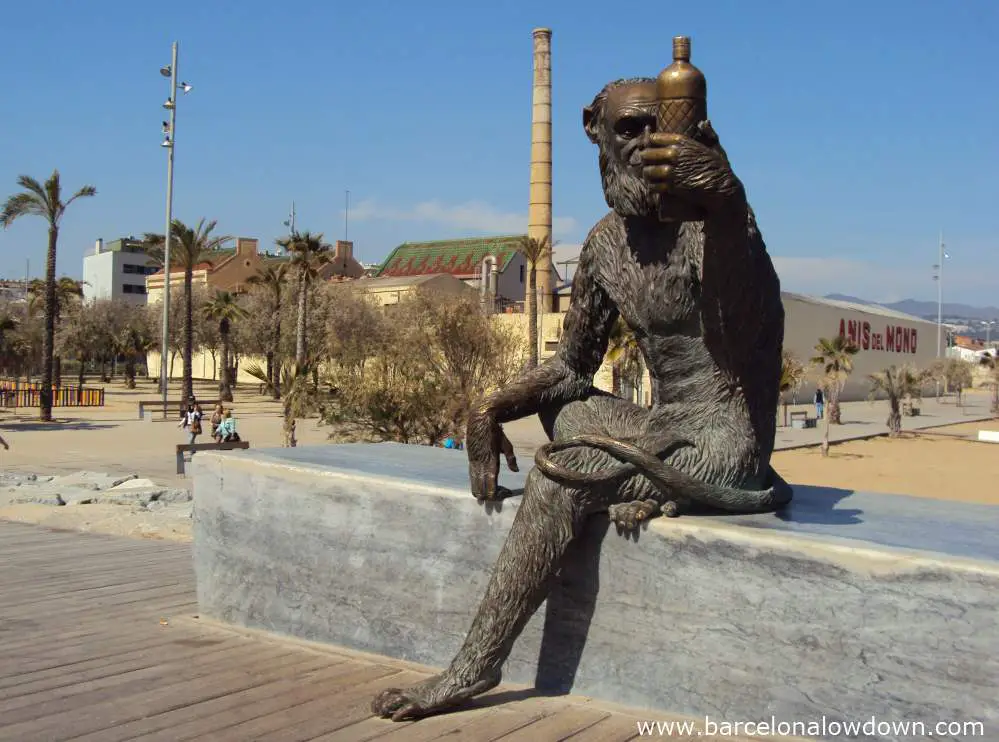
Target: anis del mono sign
{"x": 893, "y": 339}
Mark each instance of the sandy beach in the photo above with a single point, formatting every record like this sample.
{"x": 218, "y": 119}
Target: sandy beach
{"x": 942, "y": 462}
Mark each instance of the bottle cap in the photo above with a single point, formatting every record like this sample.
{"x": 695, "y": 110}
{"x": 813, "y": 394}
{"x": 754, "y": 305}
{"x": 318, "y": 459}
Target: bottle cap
{"x": 681, "y": 48}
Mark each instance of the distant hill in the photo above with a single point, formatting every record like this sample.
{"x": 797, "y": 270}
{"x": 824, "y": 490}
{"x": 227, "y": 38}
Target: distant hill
{"x": 927, "y": 308}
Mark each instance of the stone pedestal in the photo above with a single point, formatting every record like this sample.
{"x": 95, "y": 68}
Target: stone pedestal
{"x": 845, "y": 607}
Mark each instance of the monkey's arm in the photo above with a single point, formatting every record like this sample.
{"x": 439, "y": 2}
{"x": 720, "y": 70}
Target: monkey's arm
{"x": 568, "y": 375}
{"x": 565, "y": 377}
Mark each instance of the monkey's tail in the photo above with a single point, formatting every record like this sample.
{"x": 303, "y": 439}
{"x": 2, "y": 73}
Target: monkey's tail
{"x": 668, "y": 478}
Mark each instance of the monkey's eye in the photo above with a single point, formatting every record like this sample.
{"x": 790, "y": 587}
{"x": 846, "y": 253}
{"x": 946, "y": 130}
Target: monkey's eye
{"x": 630, "y": 127}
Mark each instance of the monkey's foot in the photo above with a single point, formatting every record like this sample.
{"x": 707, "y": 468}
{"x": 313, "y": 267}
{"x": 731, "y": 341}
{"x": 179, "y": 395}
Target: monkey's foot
{"x": 431, "y": 696}
{"x": 629, "y": 515}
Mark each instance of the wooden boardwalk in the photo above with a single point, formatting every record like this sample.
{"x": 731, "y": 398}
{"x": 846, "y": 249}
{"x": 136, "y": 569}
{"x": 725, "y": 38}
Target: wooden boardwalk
{"x": 100, "y": 642}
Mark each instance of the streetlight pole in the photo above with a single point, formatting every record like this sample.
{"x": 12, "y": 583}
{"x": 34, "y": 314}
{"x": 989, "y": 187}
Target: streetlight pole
{"x": 938, "y": 277}
{"x": 169, "y": 142}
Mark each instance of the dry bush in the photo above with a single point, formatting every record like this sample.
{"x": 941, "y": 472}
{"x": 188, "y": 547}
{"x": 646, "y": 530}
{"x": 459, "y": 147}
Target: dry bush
{"x": 410, "y": 372}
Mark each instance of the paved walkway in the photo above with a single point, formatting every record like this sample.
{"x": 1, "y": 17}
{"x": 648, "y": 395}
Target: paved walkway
{"x": 860, "y": 420}
{"x": 100, "y": 643}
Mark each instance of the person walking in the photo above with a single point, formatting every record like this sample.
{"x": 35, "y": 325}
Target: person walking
{"x": 820, "y": 403}
{"x": 191, "y": 420}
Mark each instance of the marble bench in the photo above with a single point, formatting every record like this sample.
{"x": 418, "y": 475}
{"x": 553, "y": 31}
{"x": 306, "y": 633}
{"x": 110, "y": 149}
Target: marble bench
{"x": 846, "y": 606}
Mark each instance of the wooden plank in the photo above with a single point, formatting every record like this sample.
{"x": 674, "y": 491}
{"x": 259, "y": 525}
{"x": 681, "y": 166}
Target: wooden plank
{"x": 615, "y": 728}
{"x": 558, "y": 726}
{"x": 232, "y": 708}
{"x": 424, "y": 730}
{"x": 93, "y": 654}
{"x": 86, "y": 715}
{"x": 342, "y": 707}
{"x": 40, "y": 703}
{"x": 133, "y": 663}
{"x": 234, "y": 723}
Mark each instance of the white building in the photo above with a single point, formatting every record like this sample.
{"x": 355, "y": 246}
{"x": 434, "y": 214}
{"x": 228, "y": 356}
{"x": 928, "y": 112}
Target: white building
{"x": 117, "y": 270}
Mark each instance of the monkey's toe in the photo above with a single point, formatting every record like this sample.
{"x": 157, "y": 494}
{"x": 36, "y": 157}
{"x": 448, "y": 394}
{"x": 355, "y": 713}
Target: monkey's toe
{"x": 630, "y": 515}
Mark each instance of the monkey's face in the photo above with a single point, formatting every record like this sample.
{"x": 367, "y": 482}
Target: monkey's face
{"x": 620, "y": 128}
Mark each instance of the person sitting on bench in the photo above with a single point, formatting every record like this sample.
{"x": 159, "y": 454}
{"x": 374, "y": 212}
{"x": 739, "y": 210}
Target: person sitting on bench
{"x": 226, "y": 431}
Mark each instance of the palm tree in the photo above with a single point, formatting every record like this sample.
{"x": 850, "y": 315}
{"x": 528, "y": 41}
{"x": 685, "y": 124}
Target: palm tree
{"x": 534, "y": 251}
{"x": 898, "y": 383}
{"x": 792, "y": 373}
{"x": 624, "y": 355}
{"x": 44, "y": 201}
{"x": 69, "y": 292}
{"x": 298, "y": 396}
{"x": 272, "y": 280}
{"x": 308, "y": 253}
{"x": 225, "y": 310}
{"x": 835, "y": 357}
{"x": 188, "y": 247}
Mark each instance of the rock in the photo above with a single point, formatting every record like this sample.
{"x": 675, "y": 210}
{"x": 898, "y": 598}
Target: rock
{"x": 137, "y": 496}
{"x": 129, "y": 478}
{"x": 132, "y": 483}
{"x": 77, "y": 495}
{"x": 39, "y": 498}
{"x": 175, "y": 496}
{"x": 96, "y": 481}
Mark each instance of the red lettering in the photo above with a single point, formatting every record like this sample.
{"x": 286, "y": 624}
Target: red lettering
{"x": 898, "y": 338}
{"x": 906, "y": 340}
{"x": 842, "y": 328}
{"x": 852, "y": 331}
{"x": 913, "y": 339}
{"x": 865, "y": 337}
{"x": 890, "y": 339}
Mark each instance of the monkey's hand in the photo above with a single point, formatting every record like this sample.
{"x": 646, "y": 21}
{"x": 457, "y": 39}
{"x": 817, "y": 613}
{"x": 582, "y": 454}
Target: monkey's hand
{"x": 485, "y": 440}
{"x": 692, "y": 170}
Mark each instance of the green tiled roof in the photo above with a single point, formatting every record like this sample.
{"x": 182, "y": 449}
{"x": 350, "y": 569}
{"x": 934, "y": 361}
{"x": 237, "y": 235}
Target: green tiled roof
{"x": 458, "y": 257}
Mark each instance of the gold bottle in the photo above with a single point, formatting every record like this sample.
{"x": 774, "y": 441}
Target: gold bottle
{"x": 682, "y": 92}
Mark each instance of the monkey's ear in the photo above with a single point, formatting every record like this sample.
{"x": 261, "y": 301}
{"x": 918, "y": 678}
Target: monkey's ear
{"x": 590, "y": 124}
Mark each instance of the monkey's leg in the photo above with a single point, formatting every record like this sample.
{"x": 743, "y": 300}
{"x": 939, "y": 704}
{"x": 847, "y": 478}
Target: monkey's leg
{"x": 541, "y": 531}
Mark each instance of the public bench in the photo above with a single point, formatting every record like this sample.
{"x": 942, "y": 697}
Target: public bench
{"x": 801, "y": 420}
{"x": 910, "y": 408}
{"x": 174, "y": 403}
{"x": 183, "y": 448}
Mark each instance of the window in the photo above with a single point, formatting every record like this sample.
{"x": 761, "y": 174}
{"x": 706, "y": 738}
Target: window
{"x": 140, "y": 270}
{"x": 129, "y": 268}
{"x": 129, "y": 288}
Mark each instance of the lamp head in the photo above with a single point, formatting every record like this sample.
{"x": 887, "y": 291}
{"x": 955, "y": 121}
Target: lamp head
{"x": 186, "y": 87}
{"x": 165, "y": 71}
{"x": 168, "y": 104}
{"x": 166, "y": 142}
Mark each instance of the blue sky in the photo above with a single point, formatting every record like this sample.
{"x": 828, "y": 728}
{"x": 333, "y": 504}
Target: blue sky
{"x": 861, "y": 129}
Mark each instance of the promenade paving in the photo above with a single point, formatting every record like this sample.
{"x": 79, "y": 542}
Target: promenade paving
{"x": 113, "y": 439}
{"x": 101, "y": 643}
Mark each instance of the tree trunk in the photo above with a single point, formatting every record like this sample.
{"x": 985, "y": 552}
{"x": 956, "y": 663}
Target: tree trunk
{"x": 275, "y": 376}
{"x": 833, "y": 414}
{"x": 226, "y": 387}
{"x": 130, "y": 372}
{"x": 894, "y": 419}
{"x": 300, "y": 328}
{"x": 188, "y": 386}
{"x": 532, "y": 315}
{"x": 48, "y": 336}
{"x": 825, "y": 435}
{"x": 289, "y": 426}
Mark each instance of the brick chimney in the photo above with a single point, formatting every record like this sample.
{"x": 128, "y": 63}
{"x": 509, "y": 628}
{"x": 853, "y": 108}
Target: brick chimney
{"x": 343, "y": 251}
{"x": 246, "y": 246}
